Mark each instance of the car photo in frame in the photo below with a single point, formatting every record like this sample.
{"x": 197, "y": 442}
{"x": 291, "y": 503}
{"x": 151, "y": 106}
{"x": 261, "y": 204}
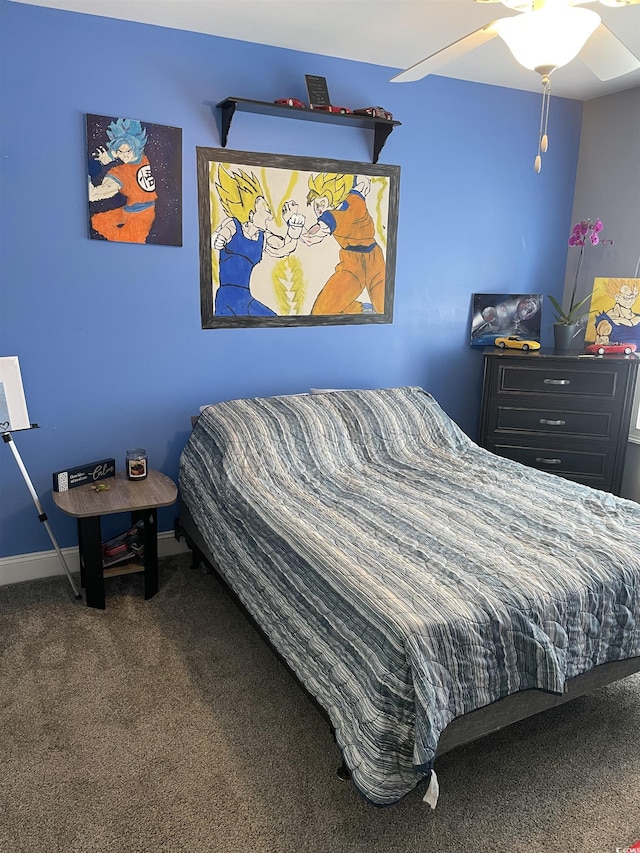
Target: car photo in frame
{"x": 295, "y": 241}
{"x": 502, "y": 315}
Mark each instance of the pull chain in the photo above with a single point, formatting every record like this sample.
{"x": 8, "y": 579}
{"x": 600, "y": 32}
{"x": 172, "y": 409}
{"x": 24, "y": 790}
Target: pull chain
{"x": 543, "y": 139}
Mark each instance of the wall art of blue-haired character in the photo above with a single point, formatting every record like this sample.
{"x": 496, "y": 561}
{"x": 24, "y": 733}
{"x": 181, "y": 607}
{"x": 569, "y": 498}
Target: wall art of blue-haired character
{"x": 135, "y": 181}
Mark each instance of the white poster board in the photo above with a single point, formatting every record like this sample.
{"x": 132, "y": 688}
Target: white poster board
{"x": 13, "y": 406}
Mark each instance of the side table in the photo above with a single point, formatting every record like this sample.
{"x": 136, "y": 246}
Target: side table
{"x": 141, "y": 498}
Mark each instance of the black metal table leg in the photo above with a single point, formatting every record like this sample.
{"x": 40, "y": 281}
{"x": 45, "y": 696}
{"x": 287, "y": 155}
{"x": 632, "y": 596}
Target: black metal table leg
{"x": 90, "y": 545}
{"x": 150, "y": 519}
{"x": 82, "y": 573}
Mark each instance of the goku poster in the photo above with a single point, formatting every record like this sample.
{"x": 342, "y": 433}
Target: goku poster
{"x": 135, "y": 181}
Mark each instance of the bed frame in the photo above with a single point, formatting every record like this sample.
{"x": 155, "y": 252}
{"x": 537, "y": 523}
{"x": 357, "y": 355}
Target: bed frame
{"x": 462, "y": 730}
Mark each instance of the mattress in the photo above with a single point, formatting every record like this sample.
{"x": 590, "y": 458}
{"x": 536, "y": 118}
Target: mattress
{"x": 407, "y": 575}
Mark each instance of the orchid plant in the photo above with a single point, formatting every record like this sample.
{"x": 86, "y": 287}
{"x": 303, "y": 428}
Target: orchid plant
{"x": 582, "y": 233}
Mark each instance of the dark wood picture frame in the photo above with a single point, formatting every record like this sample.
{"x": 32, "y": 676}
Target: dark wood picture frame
{"x": 268, "y": 268}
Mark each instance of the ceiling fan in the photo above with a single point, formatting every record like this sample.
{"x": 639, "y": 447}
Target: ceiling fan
{"x": 543, "y": 36}
{"x": 539, "y": 20}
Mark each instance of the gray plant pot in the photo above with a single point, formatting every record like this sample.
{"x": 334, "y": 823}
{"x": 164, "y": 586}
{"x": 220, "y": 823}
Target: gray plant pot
{"x": 564, "y": 336}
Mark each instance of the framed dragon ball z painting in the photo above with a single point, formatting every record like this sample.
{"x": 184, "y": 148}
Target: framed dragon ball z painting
{"x": 295, "y": 241}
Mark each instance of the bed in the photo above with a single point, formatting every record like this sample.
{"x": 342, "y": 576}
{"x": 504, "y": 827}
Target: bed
{"x": 423, "y": 590}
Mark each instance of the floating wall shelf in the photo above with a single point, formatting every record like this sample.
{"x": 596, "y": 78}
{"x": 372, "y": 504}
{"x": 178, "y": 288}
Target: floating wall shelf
{"x": 381, "y": 127}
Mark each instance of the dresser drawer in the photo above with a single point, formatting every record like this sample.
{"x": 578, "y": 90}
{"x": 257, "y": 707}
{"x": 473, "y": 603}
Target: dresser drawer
{"x": 586, "y": 466}
{"x": 568, "y": 380}
{"x": 543, "y": 421}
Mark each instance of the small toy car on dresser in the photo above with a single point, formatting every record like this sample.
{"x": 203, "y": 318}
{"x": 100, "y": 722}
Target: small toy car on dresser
{"x": 604, "y": 349}
{"x": 516, "y": 342}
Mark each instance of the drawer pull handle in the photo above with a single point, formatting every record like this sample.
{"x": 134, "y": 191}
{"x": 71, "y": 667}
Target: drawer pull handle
{"x": 557, "y": 382}
{"x": 542, "y": 461}
{"x": 552, "y": 423}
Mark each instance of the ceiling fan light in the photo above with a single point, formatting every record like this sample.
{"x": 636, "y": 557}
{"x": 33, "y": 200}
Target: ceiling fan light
{"x": 547, "y": 38}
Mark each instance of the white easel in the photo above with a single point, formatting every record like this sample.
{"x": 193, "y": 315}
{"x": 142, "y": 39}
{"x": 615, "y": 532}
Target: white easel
{"x": 7, "y": 437}
{"x": 15, "y": 418}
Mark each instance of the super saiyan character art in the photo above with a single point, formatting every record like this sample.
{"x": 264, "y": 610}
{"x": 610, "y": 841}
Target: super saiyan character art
{"x": 619, "y": 324}
{"x": 244, "y": 236}
{"x": 339, "y": 203}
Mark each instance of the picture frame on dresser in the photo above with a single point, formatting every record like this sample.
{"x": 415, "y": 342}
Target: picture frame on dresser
{"x": 565, "y": 413}
{"x": 614, "y": 315}
{"x": 496, "y": 315}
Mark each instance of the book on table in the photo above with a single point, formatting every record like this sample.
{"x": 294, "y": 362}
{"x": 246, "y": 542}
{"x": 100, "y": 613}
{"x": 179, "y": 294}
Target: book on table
{"x": 123, "y": 547}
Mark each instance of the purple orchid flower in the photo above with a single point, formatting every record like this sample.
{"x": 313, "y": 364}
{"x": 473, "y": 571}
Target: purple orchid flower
{"x": 582, "y": 231}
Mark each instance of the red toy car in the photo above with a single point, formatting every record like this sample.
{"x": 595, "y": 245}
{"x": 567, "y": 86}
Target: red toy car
{"x": 291, "y": 102}
{"x": 374, "y": 112}
{"x": 329, "y": 108}
{"x": 603, "y": 349}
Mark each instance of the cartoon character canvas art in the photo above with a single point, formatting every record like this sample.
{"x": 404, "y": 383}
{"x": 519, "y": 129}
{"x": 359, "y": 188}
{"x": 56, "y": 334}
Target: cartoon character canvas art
{"x": 615, "y": 312}
{"x": 135, "y": 181}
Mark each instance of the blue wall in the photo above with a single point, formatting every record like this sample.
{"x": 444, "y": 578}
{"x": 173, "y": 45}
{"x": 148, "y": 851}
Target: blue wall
{"x": 108, "y": 334}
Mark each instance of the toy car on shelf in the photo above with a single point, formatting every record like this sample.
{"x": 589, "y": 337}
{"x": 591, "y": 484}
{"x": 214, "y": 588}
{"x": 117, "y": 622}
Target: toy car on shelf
{"x": 516, "y": 342}
{"x": 374, "y": 112}
{"x": 603, "y": 349}
{"x": 291, "y": 102}
{"x": 329, "y": 108}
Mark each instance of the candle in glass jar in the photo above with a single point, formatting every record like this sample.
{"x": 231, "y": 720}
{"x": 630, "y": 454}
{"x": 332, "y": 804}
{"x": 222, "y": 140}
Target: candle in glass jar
{"x": 136, "y": 465}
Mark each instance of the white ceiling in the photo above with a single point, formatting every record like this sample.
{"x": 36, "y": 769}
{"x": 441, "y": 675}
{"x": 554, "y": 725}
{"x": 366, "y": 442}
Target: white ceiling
{"x": 395, "y": 33}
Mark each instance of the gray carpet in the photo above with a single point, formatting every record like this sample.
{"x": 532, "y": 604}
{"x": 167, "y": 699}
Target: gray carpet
{"x": 169, "y": 725}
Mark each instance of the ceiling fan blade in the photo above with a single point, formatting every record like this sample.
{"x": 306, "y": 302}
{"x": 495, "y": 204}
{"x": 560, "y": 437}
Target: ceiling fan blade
{"x": 522, "y": 4}
{"x": 607, "y": 56}
{"x": 447, "y": 54}
{"x": 518, "y": 5}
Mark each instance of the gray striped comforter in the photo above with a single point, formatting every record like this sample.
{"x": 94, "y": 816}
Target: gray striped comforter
{"x": 407, "y": 575}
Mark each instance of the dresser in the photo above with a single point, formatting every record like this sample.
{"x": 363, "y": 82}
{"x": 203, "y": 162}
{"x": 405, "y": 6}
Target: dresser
{"x": 565, "y": 413}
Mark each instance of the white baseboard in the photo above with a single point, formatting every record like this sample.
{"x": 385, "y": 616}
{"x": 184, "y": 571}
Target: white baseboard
{"x": 45, "y": 564}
